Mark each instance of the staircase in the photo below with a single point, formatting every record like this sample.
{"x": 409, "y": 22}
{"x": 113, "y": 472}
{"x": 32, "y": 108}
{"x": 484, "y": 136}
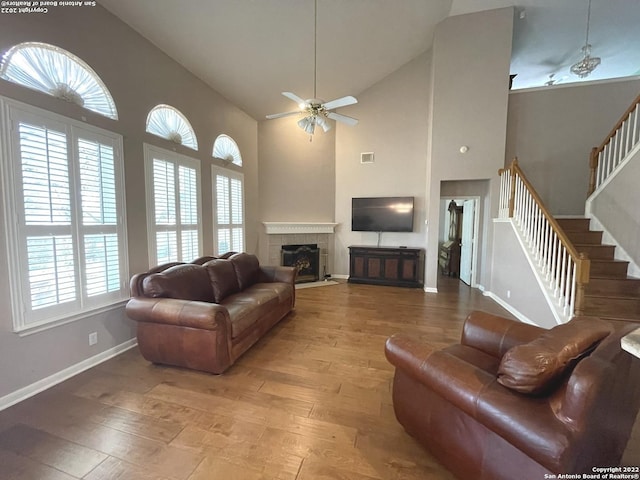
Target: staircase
{"x": 578, "y": 273}
{"x": 610, "y": 293}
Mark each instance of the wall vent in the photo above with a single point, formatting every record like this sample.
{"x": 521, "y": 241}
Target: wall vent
{"x": 366, "y": 157}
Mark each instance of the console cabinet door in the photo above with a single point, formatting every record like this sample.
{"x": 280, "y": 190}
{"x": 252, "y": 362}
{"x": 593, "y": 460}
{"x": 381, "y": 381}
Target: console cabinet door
{"x": 386, "y": 266}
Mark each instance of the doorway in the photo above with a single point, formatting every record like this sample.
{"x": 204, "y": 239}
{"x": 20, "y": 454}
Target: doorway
{"x": 459, "y": 224}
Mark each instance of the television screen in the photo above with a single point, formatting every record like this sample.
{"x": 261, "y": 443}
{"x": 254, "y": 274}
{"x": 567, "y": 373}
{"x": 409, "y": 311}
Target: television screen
{"x": 382, "y": 214}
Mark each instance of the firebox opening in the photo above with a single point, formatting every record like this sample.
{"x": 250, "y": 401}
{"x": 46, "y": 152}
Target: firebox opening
{"x": 305, "y": 258}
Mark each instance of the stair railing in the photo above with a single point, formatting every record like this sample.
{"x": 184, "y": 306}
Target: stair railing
{"x": 562, "y": 268}
{"x": 606, "y": 157}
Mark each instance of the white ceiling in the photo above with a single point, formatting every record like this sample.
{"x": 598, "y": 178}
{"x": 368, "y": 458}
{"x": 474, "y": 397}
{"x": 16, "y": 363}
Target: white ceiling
{"x": 251, "y": 50}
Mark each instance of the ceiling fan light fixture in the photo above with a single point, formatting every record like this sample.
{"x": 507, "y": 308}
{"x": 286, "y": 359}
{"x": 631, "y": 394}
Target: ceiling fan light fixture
{"x": 308, "y": 124}
{"x": 322, "y": 122}
{"x": 587, "y": 64}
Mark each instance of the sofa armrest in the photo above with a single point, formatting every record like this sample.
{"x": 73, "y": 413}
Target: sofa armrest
{"x": 495, "y": 335}
{"x": 276, "y": 273}
{"x": 183, "y": 313}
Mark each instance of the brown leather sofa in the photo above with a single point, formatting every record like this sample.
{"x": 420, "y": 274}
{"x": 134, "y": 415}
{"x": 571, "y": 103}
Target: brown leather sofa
{"x": 514, "y": 401}
{"x": 204, "y": 315}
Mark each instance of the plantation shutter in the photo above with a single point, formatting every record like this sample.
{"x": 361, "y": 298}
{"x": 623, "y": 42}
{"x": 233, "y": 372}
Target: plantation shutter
{"x": 229, "y": 198}
{"x": 100, "y": 242}
{"x": 65, "y": 223}
{"x": 189, "y": 211}
{"x": 164, "y": 201}
{"x": 174, "y": 182}
{"x": 47, "y": 216}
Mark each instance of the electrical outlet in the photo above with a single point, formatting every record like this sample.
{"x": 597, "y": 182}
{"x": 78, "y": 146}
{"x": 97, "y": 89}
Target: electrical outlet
{"x": 93, "y": 338}
{"x": 508, "y": 293}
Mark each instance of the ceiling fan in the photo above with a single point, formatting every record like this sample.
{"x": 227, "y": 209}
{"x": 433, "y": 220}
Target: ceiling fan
{"x": 317, "y": 111}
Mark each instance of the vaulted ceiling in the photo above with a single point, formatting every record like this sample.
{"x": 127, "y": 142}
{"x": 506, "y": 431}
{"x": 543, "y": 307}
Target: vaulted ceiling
{"x": 251, "y": 50}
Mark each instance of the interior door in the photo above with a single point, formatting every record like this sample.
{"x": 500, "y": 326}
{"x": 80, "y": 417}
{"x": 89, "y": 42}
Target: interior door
{"x": 468, "y": 236}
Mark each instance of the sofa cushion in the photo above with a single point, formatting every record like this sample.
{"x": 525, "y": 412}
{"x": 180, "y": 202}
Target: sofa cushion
{"x": 247, "y": 269}
{"x": 184, "y": 282}
{"x": 223, "y": 279}
{"x": 536, "y": 367}
{"x": 248, "y": 307}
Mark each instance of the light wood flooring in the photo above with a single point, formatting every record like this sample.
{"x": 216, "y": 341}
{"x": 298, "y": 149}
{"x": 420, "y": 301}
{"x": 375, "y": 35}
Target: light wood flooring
{"x": 310, "y": 401}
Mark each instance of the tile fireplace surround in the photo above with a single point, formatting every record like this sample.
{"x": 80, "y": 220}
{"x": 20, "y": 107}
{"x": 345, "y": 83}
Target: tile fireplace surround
{"x": 287, "y": 233}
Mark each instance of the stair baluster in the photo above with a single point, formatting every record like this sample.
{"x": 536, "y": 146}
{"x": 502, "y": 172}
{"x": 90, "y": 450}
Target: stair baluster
{"x": 559, "y": 263}
{"x": 609, "y": 155}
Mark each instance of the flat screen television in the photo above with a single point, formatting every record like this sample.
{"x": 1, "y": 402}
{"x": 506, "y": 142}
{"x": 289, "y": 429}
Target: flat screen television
{"x": 382, "y": 214}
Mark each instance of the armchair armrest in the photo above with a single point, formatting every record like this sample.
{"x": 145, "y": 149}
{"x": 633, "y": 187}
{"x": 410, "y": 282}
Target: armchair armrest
{"x": 495, "y": 335}
{"x": 183, "y": 313}
{"x": 452, "y": 378}
{"x": 271, "y": 273}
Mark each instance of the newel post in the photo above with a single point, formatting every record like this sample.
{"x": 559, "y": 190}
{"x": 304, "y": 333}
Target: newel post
{"x": 593, "y": 167}
{"x": 583, "y": 274}
{"x": 512, "y": 193}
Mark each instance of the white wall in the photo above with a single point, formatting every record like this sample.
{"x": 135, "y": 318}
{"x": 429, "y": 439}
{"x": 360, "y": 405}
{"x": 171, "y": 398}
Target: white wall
{"x": 296, "y": 177}
{"x": 471, "y": 60}
{"x": 616, "y": 208}
{"x": 552, "y": 131}
{"x": 513, "y": 283}
{"x": 393, "y": 125}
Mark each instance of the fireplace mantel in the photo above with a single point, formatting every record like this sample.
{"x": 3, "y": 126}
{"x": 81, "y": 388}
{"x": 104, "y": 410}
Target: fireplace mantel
{"x": 284, "y": 228}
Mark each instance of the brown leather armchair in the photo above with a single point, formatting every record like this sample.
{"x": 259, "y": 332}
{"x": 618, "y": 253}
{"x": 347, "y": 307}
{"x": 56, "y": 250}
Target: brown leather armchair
{"x": 516, "y": 401}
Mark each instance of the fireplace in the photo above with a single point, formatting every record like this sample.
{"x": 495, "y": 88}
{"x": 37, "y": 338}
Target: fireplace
{"x": 277, "y": 234}
{"x": 305, "y": 258}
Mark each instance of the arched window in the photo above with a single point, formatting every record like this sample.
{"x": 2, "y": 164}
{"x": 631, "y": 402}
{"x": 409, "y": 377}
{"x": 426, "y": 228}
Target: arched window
{"x": 224, "y": 147}
{"x": 59, "y": 73}
{"x": 168, "y": 122}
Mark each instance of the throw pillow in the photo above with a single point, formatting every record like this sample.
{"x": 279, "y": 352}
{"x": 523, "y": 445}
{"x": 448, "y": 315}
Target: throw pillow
{"x": 537, "y": 367}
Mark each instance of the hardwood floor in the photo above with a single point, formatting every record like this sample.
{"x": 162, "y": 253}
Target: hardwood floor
{"x": 311, "y": 400}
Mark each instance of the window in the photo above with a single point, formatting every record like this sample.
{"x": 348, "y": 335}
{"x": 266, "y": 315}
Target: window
{"x": 173, "y": 206}
{"x": 229, "y": 210}
{"x": 225, "y": 148}
{"x": 59, "y": 73}
{"x": 63, "y": 183}
{"x": 167, "y": 122}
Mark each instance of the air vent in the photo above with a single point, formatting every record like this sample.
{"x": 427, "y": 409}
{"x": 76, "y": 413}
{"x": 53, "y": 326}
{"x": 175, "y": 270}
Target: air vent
{"x": 366, "y": 157}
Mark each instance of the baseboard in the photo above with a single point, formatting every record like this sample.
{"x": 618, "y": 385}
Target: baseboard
{"x": 431, "y": 289}
{"x": 342, "y": 277}
{"x": 509, "y": 308}
{"x": 61, "y": 376}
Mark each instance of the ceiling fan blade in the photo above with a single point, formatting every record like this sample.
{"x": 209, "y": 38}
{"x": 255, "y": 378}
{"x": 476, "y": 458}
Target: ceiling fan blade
{"x": 340, "y": 102}
{"x": 280, "y": 115}
{"x": 294, "y": 97}
{"x": 342, "y": 118}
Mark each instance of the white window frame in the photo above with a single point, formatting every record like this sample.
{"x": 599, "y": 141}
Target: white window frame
{"x": 231, "y": 175}
{"x": 169, "y": 123}
{"x": 57, "y": 72}
{"x": 152, "y": 153}
{"x": 25, "y": 318}
{"x": 226, "y": 148}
